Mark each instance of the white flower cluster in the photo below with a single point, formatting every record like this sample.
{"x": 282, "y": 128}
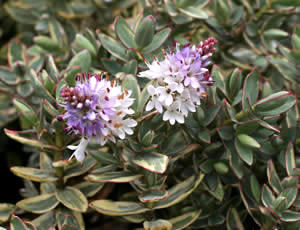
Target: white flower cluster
{"x": 179, "y": 81}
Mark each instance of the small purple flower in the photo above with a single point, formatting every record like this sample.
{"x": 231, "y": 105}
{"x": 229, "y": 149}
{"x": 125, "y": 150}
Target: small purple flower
{"x": 180, "y": 80}
{"x": 95, "y": 109}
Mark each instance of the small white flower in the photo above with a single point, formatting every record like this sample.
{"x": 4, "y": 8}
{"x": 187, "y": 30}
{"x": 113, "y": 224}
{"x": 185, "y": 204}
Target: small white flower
{"x": 173, "y": 114}
{"x": 79, "y": 149}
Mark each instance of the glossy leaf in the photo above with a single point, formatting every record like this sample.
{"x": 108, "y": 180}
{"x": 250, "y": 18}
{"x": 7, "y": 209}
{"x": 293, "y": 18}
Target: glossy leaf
{"x": 113, "y": 47}
{"x": 34, "y": 174}
{"x": 245, "y": 152}
{"x": 120, "y": 208}
{"x": 72, "y": 198}
{"x": 154, "y": 162}
{"x": 114, "y": 177}
{"x": 125, "y": 33}
{"x": 274, "y": 104}
{"x": 179, "y": 192}
{"x": 17, "y": 224}
{"x": 6, "y": 210}
{"x": 157, "y": 41}
{"x": 145, "y": 32}
{"x": 83, "y": 59}
{"x": 273, "y": 177}
{"x": 39, "y": 204}
{"x": 157, "y": 225}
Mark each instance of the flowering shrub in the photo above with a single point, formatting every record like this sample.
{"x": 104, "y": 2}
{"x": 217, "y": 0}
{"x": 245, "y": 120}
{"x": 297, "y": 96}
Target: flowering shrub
{"x": 152, "y": 115}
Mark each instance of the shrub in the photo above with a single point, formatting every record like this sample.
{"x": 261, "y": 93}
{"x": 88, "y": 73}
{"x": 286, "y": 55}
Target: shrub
{"x": 162, "y": 139}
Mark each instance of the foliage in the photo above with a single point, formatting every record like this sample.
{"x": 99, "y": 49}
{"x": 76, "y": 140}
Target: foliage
{"x": 233, "y": 164}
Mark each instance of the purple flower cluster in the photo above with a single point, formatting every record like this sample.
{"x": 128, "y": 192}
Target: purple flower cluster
{"x": 96, "y": 109}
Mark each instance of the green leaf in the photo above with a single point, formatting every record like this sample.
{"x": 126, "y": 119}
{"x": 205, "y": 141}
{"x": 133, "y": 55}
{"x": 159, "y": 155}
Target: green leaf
{"x": 37, "y": 63}
{"x": 290, "y": 163}
{"x": 290, "y": 216}
{"x": 17, "y": 224}
{"x": 290, "y": 194}
{"x": 233, "y": 220}
{"x": 275, "y": 104}
{"x": 296, "y": 38}
{"x": 180, "y": 191}
{"x": 145, "y": 32}
{"x": 250, "y": 90}
{"x": 248, "y": 141}
{"x": 84, "y": 43}
{"x": 38, "y": 175}
{"x": 157, "y": 225}
{"x": 104, "y": 157}
{"x": 289, "y": 181}
{"x": 5, "y": 211}
{"x": 154, "y": 162}
{"x": 47, "y": 43}
{"x": 39, "y": 88}
{"x": 39, "y": 204}
{"x": 267, "y": 196}
{"x": 183, "y": 221}
{"x": 219, "y": 78}
{"x": 20, "y": 13}
{"x": 255, "y": 188}
{"x": 131, "y": 84}
{"x": 83, "y": 59}
{"x": 210, "y": 114}
{"x": 273, "y": 177}
{"x": 235, "y": 162}
{"x": 114, "y": 177}
{"x": 144, "y": 96}
{"x": 275, "y": 34}
{"x": 130, "y": 67}
{"x": 70, "y": 75}
{"x": 171, "y": 8}
{"x": 119, "y": 208}
{"x": 16, "y": 52}
{"x": 45, "y": 221}
{"x": 8, "y": 77}
{"x": 293, "y": 3}
{"x": 194, "y": 12}
{"x": 113, "y": 47}
{"x": 22, "y": 137}
{"x": 153, "y": 196}
{"x": 26, "y": 112}
{"x": 248, "y": 127}
{"x": 204, "y": 135}
{"x": 279, "y": 204}
{"x": 125, "y": 33}
{"x": 79, "y": 168}
{"x": 234, "y": 82}
{"x": 244, "y": 151}
{"x": 112, "y": 66}
{"x": 89, "y": 189}
{"x": 157, "y": 41}
{"x": 72, "y": 198}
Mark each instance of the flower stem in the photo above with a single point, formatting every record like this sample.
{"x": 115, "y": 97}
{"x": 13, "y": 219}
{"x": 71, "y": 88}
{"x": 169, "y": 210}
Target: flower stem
{"x": 59, "y": 139}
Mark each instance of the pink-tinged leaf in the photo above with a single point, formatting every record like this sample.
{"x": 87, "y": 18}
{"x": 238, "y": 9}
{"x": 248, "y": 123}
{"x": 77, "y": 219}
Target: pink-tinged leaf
{"x": 275, "y": 104}
{"x": 250, "y": 90}
{"x": 290, "y": 163}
